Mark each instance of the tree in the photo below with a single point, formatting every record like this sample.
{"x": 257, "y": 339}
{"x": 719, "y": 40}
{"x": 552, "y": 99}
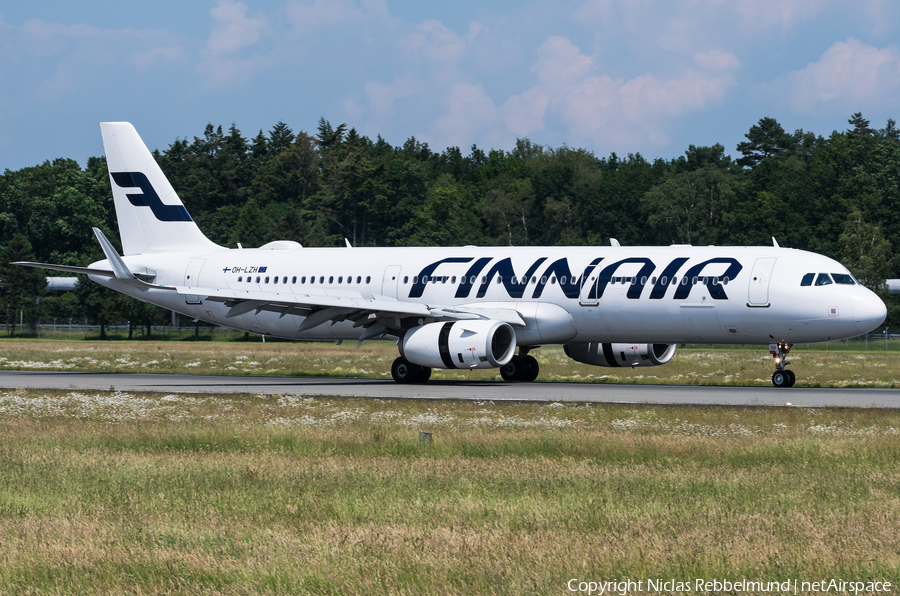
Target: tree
{"x": 866, "y": 253}
{"x": 765, "y": 139}
{"x": 21, "y": 286}
{"x": 141, "y": 314}
{"x": 251, "y": 230}
{"x": 693, "y": 207}
{"x": 98, "y": 304}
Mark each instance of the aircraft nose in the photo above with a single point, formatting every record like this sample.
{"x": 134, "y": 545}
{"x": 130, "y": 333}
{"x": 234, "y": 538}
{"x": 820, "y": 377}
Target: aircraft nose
{"x": 870, "y": 313}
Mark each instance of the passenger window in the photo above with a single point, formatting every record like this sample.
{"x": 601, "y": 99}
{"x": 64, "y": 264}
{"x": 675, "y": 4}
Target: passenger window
{"x": 240, "y": 278}
{"x": 358, "y": 279}
{"x": 303, "y": 280}
{"x": 294, "y": 279}
{"x": 368, "y": 278}
{"x": 257, "y": 279}
{"x": 405, "y": 279}
{"x": 807, "y": 279}
{"x": 823, "y": 280}
{"x": 321, "y": 279}
{"x": 552, "y": 279}
{"x": 267, "y": 279}
{"x": 330, "y": 279}
{"x": 843, "y": 279}
{"x": 644, "y": 280}
{"x": 453, "y": 279}
{"x": 340, "y": 280}
{"x": 276, "y": 280}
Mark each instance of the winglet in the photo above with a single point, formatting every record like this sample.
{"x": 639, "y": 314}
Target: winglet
{"x": 115, "y": 261}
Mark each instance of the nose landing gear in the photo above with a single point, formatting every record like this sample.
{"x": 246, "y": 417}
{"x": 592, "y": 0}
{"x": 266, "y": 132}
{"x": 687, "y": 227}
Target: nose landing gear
{"x": 782, "y": 377}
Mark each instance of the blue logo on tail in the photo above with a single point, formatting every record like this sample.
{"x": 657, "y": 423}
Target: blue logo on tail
{"x": 149, "y": 198}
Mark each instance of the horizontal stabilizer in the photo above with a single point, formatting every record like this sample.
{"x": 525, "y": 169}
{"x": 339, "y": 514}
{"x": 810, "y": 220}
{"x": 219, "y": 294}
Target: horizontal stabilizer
{"x": 67, "y": 268}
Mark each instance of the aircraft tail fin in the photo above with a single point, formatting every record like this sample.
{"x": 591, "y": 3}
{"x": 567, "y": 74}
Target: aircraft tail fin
{"x": 151, "y": 216}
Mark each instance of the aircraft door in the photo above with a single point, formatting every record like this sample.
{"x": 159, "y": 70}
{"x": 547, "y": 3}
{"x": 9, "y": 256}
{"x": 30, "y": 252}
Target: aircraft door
{"x": 588, "y": 295}
{"x": 390, "y": 281}
{"x": 759, "y": 281}
{"x": 192, "y": 278}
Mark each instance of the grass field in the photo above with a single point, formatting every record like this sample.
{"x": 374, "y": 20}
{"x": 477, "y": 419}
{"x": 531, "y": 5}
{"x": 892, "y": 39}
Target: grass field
{"x": 701, "y": 365}
{"x": 110, "y": 493}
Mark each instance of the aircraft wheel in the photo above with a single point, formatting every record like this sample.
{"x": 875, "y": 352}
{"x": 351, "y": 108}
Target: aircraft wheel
{"x": 532, "y": 368}
{"x": 792, "y": 378}
{"x": 424, "y": 374}
{"x": 404, "y": 371}
{"x": 780, "y": 378}
{"x": 513, "y": 370}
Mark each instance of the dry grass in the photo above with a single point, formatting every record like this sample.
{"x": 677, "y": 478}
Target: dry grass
{"x": 147, "y": 494}
{"x": 815, "y": 367}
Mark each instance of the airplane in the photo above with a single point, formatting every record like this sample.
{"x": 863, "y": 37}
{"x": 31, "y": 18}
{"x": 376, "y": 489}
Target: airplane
{"x": 472, "y": 307}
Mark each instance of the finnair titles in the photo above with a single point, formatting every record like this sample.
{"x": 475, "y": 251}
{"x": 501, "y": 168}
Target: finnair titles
{"x": 473, "y": 307}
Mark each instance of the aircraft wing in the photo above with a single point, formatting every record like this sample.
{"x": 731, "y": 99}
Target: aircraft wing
{"x": 378, "y": 314}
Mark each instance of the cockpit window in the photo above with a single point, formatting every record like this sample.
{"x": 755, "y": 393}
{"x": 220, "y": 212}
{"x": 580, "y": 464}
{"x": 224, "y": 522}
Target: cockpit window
{"x": 843, "y": 279}
{"x": 807, "y": 279}
{"x": 823, "y": 280}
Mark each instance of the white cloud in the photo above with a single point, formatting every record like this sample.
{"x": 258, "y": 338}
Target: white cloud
{"x": 717, "y": 60}
{"x": 325, "y": 13}
{"x": 559, "y": 60}
{"x": 382, "y": 96}
{"x": 468, "y": 114}
{"x": 768, "y": 13}
{"x": 434, "y": 42}
{"x": 850, "y": 75}
{"x": 631, "y": 111}
{"x": 233, "y": 30}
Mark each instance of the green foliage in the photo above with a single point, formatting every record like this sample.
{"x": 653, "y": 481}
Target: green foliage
{"x": 20, "y": 287}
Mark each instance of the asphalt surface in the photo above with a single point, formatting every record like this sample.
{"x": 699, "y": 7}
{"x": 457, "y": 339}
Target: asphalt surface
{"x": 456, "y": 390}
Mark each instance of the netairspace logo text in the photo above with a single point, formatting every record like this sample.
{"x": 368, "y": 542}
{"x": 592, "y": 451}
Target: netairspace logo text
{"x": 624, "y": 587}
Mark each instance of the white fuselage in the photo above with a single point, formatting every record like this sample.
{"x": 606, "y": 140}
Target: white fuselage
{"x": 674, "y": 294}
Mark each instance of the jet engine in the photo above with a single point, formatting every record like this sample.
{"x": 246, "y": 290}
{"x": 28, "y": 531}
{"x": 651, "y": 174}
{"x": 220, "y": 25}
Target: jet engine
{"x": 601, "y": 354}
{"x": 460, "y": 344}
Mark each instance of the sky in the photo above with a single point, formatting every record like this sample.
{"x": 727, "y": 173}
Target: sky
{"x": 623, "y": 76}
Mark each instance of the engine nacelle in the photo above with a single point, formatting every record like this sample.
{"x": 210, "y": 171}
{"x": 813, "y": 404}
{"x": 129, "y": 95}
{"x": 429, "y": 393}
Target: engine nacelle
{"x": 621, "y": 355}
{"x": 460, "y": 344}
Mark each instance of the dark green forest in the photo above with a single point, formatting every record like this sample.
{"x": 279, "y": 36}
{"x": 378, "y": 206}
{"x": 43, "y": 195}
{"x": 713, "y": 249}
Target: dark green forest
{"x": 836, "y": 195}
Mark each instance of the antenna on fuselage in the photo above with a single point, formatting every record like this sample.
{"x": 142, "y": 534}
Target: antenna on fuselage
{"x": 775, "y": 242}
{"x": 614, "y": 242}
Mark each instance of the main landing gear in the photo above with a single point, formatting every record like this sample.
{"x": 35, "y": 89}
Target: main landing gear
{"x": 782, "y": 377}
{"x": 521, "y": 368}
{"x": 405, "y": 371}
